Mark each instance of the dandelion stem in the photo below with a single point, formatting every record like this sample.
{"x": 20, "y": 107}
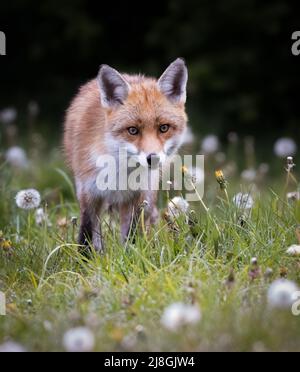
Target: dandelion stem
{"x": 205, "y": 207}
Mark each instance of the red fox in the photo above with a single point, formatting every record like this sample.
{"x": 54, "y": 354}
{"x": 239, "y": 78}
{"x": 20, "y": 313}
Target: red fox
{"x": 144, "y": 115}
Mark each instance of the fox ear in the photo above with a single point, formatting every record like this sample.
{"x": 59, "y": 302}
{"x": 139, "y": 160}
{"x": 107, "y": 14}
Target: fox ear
{"x": 113, "y": 87}
{"x": 173, "y": 81}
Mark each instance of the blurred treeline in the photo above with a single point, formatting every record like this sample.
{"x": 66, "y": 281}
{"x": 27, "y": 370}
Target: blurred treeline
{"x": 243, "y": 76}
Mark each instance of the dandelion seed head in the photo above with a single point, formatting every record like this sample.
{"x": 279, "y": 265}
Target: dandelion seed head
{"x": 293, "y": 196}
{"x": 293, "y": 250}
{"x": 16, "y": 157}
{"x": 210, "y": 144}
{"x": 196, "y": 174}
{"x": 8, "y": 115}
{"x": 249, "y": 175}
{"x": 280, "y": 294}
{"x": 178, "y": 206}
{"x": 243, "y": 201}
{"x": 178, "y": 314}
{"x": 79, "y": 340}
{"x": 28, "y": 199}
{"x": 12, "y": 347}
{"x": 285, "y": 147}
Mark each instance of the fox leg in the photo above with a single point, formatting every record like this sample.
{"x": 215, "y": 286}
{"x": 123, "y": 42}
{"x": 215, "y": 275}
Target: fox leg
{"x": 127, "y": 216}
{"x": 90, "y": 225}
{"x": 130, "y": 214}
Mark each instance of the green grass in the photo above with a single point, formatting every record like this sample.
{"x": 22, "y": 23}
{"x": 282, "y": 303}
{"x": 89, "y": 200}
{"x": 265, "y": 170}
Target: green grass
{"x": 51, "y": 288}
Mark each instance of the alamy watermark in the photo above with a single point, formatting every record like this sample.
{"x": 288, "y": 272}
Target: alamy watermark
{"x": 2, "y": 304}
{"x": 2, "y": 44}
{"x": 296, "y": 304}
{"x": 296, "y": 44}
{"x": 125, "y": 173}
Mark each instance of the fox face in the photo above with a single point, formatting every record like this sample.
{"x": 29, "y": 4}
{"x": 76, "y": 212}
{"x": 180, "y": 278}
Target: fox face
{"x": 144, "y": 116}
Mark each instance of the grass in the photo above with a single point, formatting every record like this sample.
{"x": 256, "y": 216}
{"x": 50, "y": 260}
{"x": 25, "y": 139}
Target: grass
{"x": 50, "y": 288}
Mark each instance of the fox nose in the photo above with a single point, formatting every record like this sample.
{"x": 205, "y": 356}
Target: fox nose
{"x": 153, "y": 160}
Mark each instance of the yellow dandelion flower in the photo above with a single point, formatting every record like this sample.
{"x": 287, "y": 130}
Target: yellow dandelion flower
{"x": 221, "y": 179}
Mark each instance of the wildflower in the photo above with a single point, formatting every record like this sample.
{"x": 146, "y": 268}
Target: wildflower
{"x": 79, "y": 340}
{"x": 290, "y": 165}
{"x": 293, "y": 196}
{"x": 16, "y": 157}
{"x": 210, "y": 144}
{"x": 280, "y": 294}
{"x": 11, "y": 347}
{"x": 178, "y": 206}
{"x": 285, "y": 147}
{"x": 293, "y": 250}
{"x": 249, "y": 175}
{"x": 221, "y": 179}
{"x": 28, "y": 199}
{"x": 243, "y": 201}
{"x": 8, "y": 115}
{"x": 178, "y": 314}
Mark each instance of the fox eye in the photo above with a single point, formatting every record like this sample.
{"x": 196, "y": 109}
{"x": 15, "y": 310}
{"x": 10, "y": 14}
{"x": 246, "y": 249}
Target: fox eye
{"x": 133, "y": 131}
{"x": 164, "y": 128}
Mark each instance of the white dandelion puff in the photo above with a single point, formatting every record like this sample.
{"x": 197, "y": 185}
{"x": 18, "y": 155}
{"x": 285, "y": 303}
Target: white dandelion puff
{"x": 179, "y": 314}
{"x": 243, "y": 201}
{"x": 280, "y": 294}
{"x": 293, "y": 250}
{"x": 285, "y": 147}
{"x": 16, "y": 157}
{"x": 249, "y": 175}
{"x": 11, "y": 347}
{"x": 210, "y": 144}
{"x": 79, "y": 340}
{"x": 196, "y": 174}
{"x": 293, "y": 196}
{"x": 28, "y": 199}
{"x": 8, "y": 115}
{"x": 178, "y": 206}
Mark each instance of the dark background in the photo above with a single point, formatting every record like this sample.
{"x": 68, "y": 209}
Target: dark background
{"x": 243, "y": 76}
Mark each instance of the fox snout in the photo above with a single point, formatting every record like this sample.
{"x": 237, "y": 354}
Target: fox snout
{"x": 153, "y": 160}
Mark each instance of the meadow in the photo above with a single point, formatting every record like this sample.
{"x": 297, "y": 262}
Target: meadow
{"x": 218, "y": 275}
